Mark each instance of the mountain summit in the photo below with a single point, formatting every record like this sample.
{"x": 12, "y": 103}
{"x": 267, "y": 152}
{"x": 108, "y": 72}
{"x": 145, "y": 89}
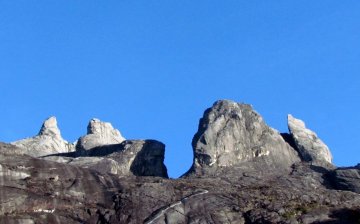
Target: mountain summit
{"x": 232, "y": 134}
{"x": 47, "y": 142}
{"x": 243, "y": 172}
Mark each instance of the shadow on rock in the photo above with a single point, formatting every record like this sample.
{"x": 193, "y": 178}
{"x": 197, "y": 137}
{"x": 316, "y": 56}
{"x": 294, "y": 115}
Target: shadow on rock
{"x": 138, "y": 157}
{"x": 345, "y": 215}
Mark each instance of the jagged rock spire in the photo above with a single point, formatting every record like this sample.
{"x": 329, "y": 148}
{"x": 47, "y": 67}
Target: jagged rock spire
{"x": 310, "y": 147}
{"x": 50, "y": 128}
{"x": 47, "y": 142}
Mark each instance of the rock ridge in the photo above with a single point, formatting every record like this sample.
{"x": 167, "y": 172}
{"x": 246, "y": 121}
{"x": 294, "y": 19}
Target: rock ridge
{"x": 231, "y": 135}
{"x": 243, "y": 172}
{"x": 103, "y": 148}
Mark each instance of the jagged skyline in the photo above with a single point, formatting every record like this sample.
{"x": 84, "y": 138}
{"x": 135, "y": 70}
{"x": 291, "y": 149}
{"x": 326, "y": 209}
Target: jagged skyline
{"x": 243, "y": 172}
{"x": 151, "y": 68}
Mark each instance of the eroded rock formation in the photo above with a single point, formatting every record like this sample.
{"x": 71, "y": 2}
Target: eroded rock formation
{"x": 131, "y": 157}
{"x": 48, "y": 141}
{"x": 102, "y": 149}
{"x": 347, "y": 178}
{"x": 98, "y": 134}
{"x": 231, "y": 134}
{"x": 310, "y": 147}
{"x": 244, "y": 172}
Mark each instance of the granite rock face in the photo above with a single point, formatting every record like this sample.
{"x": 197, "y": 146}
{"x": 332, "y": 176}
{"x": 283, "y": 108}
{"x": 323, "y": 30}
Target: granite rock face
{"x": 98, "y": 134}
{"x": 146, "y": 156}
{"x": 102, "y": 149}
{"x": 347, "y": 178}
{"x": 232, "y": 134}
{"x": 244, "y": 172}
{"x": 310, "y": 147}
{"x": 50, "y": 128}
{"x": 48, "y": 141}
{"x": 35, "y": 190}
{"x": 131, "y": 157}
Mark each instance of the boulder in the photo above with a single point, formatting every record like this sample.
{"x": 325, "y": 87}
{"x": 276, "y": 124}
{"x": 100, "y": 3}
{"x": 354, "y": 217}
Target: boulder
{"x": 47, "y": 142}
{"x": 231, "y": 134}
{"x": 98, "y": 134}
{"x": 309, "y": 146}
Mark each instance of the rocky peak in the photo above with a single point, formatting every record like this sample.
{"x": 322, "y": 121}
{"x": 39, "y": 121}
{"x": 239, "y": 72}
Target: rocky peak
{"x": 47, "y": 142}
{"x": 50, "y": 128}
{"x": 101, "y": 128}
{"x": 241, "y": 160}
{"x": 99, "y": 133}
{"x": 310, "y": 147}
{"x": 231, "y": 134}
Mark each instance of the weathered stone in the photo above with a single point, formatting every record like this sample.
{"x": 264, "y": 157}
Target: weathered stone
{"x": 50, "y": 128}
{"x": 257, "y": 178}
{"x": 98, "y": 134}
{"x": 310, "y": 147}
{"x": 347, "y": 178}
{"x": 47, "y": 142}
{"x": 100, "y": 164}
{"x": 146, "y": 156}
{"x": 131, "y": 157}
{"x": 231, "y": 134}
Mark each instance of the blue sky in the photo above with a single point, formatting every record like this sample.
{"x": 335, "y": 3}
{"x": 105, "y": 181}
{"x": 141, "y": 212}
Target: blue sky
{"x": 152, "y": 67}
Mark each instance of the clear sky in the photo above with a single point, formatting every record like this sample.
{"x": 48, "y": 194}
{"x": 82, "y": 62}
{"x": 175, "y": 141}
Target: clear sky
{"x": 152, "y": 67}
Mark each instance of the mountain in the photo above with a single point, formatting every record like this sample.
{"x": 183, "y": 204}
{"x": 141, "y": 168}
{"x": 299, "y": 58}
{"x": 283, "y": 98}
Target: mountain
{"x": 243, "y": 172}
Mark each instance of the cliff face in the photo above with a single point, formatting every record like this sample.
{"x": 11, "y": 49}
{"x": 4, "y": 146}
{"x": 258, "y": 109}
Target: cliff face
{"x": 243, "y": 172}
{"x": 232, "y": 134}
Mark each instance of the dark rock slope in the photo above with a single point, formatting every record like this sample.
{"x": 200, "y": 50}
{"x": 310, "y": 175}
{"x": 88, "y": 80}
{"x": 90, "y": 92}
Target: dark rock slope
{"x": 243, "y": 172}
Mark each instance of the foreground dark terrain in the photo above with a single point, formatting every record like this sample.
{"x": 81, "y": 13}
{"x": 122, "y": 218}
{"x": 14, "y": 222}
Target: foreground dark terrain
{"x": 243, "y": 172}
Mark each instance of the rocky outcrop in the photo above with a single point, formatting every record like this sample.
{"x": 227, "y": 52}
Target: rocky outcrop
{"x": 38, "y": 191}
{"x": 232, "y": 134}
{"x": 244, "y": 172}
{"x": 48, "y": 141}
{"x": 131, "y": 157}
{"x": 102, "y": 149}
{"x": 98, "y": 134}
{"x": 310, "y": 147}
{"x": 146, "y": 157}
{"x": 100, "y": 164}
{"x": 347, "y": 178}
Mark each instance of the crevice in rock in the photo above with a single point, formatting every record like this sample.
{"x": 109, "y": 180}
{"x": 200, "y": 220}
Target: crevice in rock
{"x": 289, "y": 139}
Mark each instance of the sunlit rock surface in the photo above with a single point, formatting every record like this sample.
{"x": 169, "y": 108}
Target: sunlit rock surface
{"x": 42, "y": 191}
{"x": 98, "y": 134}
{"x": 48, "y": 141}
{"x": 310, "y": 147}
{"x": 131, "y": 157}
{"x": 236, "y": 178}
{"x": 231, "y": 134}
